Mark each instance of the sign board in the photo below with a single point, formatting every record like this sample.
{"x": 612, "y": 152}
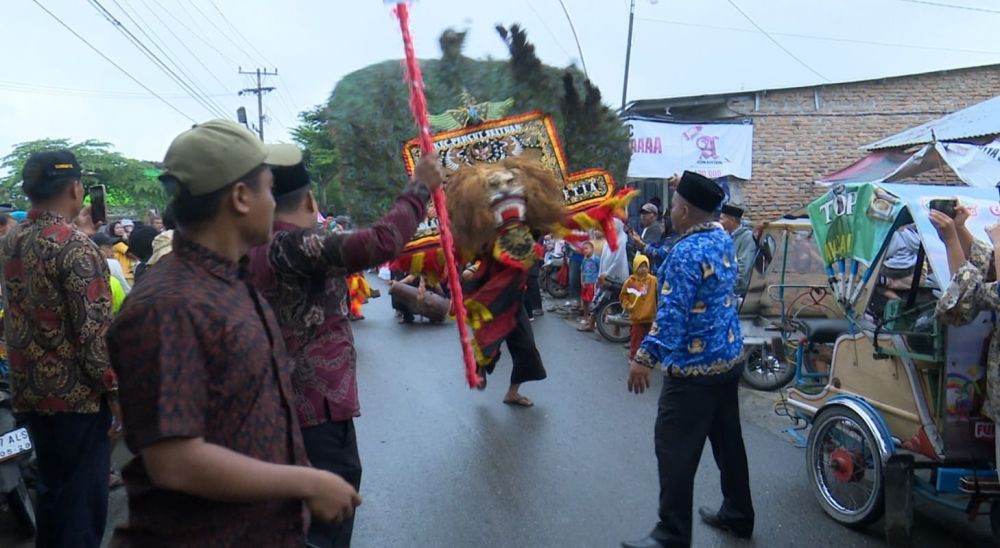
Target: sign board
{"x": 661, "y": 149}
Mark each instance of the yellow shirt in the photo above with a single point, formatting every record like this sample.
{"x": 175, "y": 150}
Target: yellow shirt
{"x": 121, "y": 253}
{"x": 643, "y": 305}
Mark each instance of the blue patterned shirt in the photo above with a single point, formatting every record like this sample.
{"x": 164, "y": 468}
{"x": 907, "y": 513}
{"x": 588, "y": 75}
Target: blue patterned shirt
{"x": 697, "y": 330}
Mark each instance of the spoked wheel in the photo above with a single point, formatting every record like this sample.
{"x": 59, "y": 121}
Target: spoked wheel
{"x": 763, "y": 371}
{"x": 612, "y": 323}
{"x": 846, "y": 468}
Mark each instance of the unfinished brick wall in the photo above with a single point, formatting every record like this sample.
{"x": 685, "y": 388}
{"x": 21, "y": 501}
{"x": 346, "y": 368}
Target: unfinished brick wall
{"x": 795, "y": 143}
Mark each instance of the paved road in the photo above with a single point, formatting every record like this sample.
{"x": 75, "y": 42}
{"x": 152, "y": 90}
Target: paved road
{"x": 450, "y": 467}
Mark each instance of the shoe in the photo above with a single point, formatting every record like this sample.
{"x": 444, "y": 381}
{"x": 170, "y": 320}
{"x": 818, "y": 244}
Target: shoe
{"x": 538, "y": 312}
{"x": 712, "y": 519}
{"x": 647, "y": 542}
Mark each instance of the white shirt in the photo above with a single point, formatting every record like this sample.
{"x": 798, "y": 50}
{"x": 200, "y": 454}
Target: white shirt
{"x": 118, "y": 272}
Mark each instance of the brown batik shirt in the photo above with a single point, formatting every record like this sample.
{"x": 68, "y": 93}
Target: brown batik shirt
{"x": 55, "y": 283}
{"x": 302, "y": 272}
{"x": 200, "y": 355}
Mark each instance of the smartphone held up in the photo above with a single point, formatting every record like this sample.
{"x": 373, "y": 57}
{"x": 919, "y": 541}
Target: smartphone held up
{"x": 98, "y": 205}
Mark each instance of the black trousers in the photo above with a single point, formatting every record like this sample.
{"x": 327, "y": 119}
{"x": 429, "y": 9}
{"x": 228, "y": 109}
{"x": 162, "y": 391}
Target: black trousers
{"x": 688, "y": 413}
{"x": 333, "y": 446}
{"x": 533, "y": 294}
{"x": 527, "y": 361}
{"x": 74, "y": 463}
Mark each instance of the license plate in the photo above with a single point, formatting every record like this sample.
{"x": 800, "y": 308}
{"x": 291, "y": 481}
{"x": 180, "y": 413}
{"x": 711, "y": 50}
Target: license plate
{"x": 14, "y": 443}
{"x": 985, "y": 430}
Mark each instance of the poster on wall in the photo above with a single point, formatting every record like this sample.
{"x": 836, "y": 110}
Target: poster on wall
{"x": 660, "y": 149}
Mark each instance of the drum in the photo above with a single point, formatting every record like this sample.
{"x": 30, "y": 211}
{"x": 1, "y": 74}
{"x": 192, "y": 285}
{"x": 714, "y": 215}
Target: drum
{"x": 432, "y": 306}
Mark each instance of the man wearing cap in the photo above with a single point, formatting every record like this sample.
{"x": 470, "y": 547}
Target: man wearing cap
{"x": 652, "y": 231}
{"x": 695, "y": 340}
{"x": 731, "y": 219}
{"x": 55, "y": 282}
{"x": 206, "y": 384}
{"x": 303, "y": 273}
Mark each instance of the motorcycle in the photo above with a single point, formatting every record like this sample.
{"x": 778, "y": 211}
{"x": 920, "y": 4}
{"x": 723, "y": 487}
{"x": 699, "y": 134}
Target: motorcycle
{"x": 554, "y": 276}
{"x": 15, "y": 450}
{"x": 612, "y": 322}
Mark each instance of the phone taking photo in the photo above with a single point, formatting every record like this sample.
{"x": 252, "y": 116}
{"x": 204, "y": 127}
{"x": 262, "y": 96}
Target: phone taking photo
{"x": 946, "y": 206}
{"x": 98, "y": 205}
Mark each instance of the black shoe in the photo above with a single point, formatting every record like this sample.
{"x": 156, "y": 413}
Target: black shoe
{"x": 647, "y": 542}
{"x": 712, "y": 519}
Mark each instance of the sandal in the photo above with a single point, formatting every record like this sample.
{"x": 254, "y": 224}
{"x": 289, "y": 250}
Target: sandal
{"x": 519, "y": 401}
{"x": 481, "y": 373}
{"x": 585, "y": 328}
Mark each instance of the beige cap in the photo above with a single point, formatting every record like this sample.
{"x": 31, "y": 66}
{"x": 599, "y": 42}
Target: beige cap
{"x": 217, "y": 153}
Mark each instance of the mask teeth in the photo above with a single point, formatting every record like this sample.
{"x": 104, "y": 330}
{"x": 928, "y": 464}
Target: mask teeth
{"x": 502, "y": 207}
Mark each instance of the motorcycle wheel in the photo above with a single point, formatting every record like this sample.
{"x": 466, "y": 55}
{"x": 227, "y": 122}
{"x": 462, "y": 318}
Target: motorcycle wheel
{"x": 23, "y": 509}
{"x": 551, "y": 285}
{"x": 764, "y": 371}
{"x": 611, "y": 330}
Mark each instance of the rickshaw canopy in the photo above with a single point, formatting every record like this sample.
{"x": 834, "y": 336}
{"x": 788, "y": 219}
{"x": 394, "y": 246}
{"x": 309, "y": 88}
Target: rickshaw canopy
{"x": 853, "y": 224}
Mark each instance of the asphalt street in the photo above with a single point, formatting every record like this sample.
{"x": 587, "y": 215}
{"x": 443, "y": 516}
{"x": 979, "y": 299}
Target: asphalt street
{"x": 446, "y": 466}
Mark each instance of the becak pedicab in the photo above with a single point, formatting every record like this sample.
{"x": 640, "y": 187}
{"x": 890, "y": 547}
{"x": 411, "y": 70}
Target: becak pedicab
{"x": 788, "y": 283}
{"x": 900, "y": 412}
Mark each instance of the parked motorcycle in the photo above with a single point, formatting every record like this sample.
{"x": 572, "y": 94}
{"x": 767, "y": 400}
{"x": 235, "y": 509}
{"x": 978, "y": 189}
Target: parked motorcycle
{"x": 612, "y": 322}
{"x": 554, "y": 276}
{"x": 15, "y": 450}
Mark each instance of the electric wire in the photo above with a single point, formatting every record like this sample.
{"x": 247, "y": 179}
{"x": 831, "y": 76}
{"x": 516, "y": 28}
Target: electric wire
{"x": 114, "y": 64}
{"x": 167, "y": 53}
{"x": 152, "y": 57}
{"x": 775, "y": 41}
{"x": 817, "y": 37}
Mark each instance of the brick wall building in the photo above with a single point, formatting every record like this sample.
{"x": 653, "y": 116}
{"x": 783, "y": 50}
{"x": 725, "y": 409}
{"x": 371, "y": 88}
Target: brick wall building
{"x": 801, "y": 134}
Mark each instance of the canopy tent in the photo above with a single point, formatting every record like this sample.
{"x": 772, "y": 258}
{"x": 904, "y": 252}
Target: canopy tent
{"x": 976, "y": 165}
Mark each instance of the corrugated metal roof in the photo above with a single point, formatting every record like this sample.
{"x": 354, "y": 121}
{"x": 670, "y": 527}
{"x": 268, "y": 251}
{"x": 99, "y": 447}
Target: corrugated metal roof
{"x": 976, "y": 121}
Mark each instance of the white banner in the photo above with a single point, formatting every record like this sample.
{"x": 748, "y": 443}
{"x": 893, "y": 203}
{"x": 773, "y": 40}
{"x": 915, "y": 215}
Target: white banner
{"x": 976, "y": 165}
{"x": 660, "y": 149}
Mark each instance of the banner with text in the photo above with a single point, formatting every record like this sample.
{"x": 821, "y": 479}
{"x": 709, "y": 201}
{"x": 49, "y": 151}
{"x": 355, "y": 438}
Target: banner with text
{"x": 660, "y": 149}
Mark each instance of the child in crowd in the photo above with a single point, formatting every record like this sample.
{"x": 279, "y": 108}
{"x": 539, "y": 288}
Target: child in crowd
{"x": 638, "y": 298}
{"x": 590, "y": 268}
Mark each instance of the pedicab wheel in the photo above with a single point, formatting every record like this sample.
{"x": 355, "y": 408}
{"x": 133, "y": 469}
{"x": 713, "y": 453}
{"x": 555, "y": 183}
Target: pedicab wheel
{"x": 845, "y": 468}
{"x": 763, "y": 371}
{"x": 21, "y": 506}
{"x": 610, "y": 324}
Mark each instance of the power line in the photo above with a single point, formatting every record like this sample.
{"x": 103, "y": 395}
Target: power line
{"x": 116, "y": 65}
{"x": 29, "y": 87}
{"x": 197, "y": 35}
{"x": 165, "y": 51}
{"x": 776, "y": 42}
{"x": 152, "y": 57}
{"x": 547, "y": 28}
{"x": 817, "y": 37}
{"x": 952, "y": 6}
{"x": 183, "y": 43}
{"x": 216, "y": 27}
{"x": 240, "y": 34}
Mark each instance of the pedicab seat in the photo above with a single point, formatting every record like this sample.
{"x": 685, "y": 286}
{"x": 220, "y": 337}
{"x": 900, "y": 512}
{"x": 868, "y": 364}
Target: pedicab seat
{"x": 823, "y": 330}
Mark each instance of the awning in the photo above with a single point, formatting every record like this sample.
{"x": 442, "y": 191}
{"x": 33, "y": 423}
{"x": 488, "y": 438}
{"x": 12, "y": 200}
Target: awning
{"x": 976, "y": 165}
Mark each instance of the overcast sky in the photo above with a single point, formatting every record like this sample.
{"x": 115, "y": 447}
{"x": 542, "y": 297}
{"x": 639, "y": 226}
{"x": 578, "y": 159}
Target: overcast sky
{"x": 53, "y": 85}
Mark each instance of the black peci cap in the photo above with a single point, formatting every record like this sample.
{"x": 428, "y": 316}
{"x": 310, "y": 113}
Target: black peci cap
{"x": 732, "y": 211}
{"x": 700, "y": 191}
{"x": 288, "y": 179}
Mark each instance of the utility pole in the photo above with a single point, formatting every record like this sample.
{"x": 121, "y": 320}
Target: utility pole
{"x": 259, "y": 91}
{"x": 628, "y": 52}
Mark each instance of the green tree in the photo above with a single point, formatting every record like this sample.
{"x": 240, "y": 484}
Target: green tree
{"x": 369, "y": 118}
{"x": 321, "y": 158}
{"x": 131, "y": 184}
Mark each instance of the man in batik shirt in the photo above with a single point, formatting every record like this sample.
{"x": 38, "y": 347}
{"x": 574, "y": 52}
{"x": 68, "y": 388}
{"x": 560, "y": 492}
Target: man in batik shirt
{"x": 973, "y": 289}
{"x": 695, "y": 340}
{"x": 303, "y": 273}
{"x": 55, "y": 281}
